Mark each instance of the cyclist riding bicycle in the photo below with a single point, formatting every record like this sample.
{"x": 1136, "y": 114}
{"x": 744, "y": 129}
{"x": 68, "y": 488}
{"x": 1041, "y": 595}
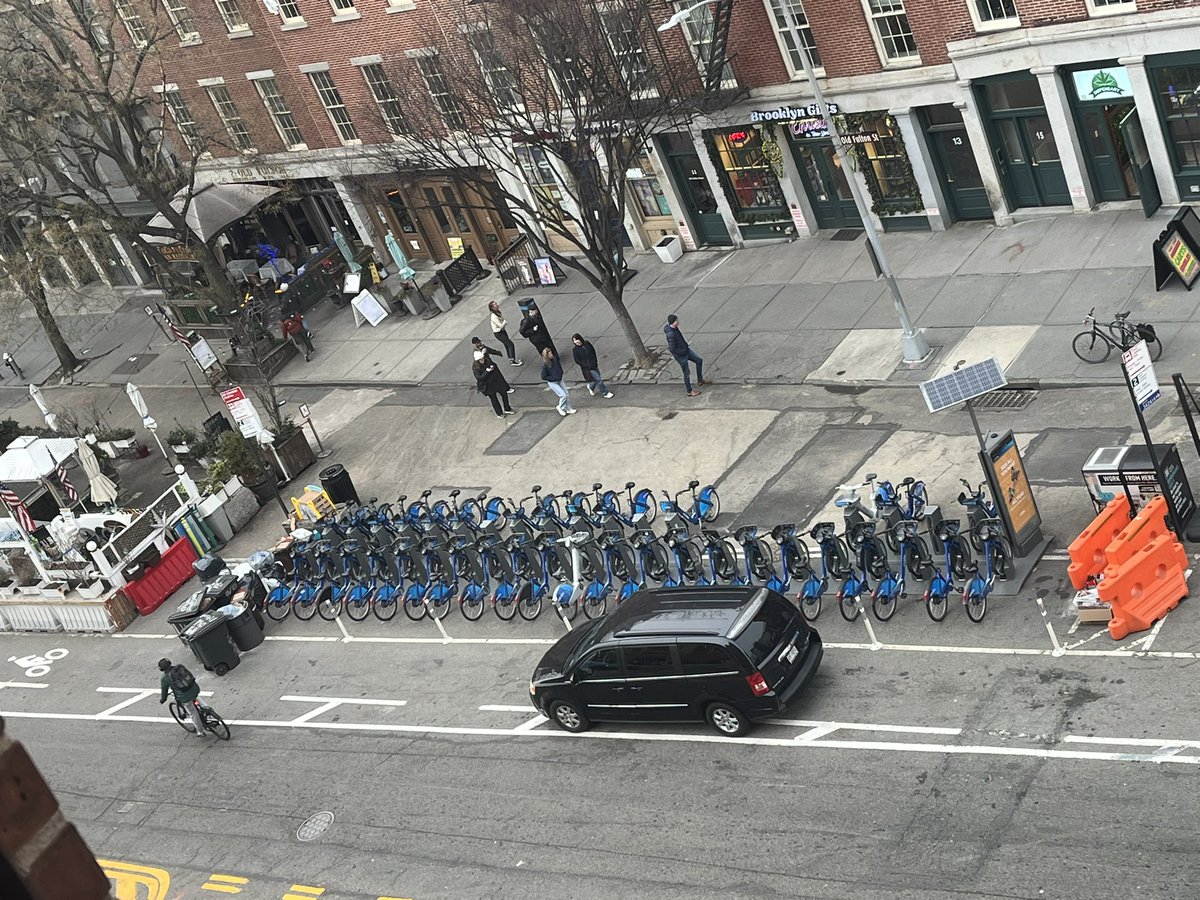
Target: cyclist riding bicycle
{"x": 182, "y": 683}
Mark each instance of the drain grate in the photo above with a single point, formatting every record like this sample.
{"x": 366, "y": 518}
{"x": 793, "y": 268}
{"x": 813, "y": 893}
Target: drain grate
{"x": 314, "y": 826}
{"x": 1011, "y": 399}
{"x": 847, "y": 234}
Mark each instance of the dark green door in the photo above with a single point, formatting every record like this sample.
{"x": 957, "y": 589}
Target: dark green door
{"x": 1107, "y": 156}
{"x": 1130, "y": 129}
{"x": 963, "y": 186}
{"x": 1029, "y": 162}
{"x": 826, "y": 185}
{"x": 699, "y": 199}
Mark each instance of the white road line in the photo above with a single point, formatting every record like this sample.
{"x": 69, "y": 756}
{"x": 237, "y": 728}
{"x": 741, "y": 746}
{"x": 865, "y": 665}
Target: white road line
{"x": 867, "y": 726}
{"x": 314, "y": 712}
{"x": 446, "y": 639}
{"x": 813, "y": 733}
{"x": 345, "y": 634}
{"x": 136, "y": 698}
{"x": 125, "y": 690}
{"x": 1091, "y": 637}
{"x": 1154, "y": 632}
{"x": 361, "y": 701}
{"x": 497, "y": 707}
{"x": 533, "y": 723}
{"x": 1130, "y": 742}
{"x": 22, "y": 684}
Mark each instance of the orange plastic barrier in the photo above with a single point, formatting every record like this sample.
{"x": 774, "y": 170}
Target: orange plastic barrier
{"x": 1087, "y": 550}
{"x": 1145, "y": 587}
{"x": 1150, "y": 523}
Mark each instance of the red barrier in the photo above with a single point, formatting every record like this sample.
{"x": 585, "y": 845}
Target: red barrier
{"x": 1146, "y": 587}
{"x": 163, "y": 579}
{"x": 1087, "y": 550}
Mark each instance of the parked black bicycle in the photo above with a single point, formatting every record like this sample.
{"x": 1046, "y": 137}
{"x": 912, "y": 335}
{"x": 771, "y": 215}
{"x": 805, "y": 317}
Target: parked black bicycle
{"x": 1096, "y": 344}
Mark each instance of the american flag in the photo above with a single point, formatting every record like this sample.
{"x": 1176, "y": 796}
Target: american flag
{"x": 175, "y": 330}
{"x": 67, "y": 486}
{"x": 19, "y": 509}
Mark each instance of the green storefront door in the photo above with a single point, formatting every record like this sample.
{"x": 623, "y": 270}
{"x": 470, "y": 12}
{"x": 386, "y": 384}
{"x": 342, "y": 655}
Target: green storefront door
{"x": 698, "y": 197}
{"x": 963, "y": 186}
{"x": 1139, "y": 162}
{"x": 1107, "y": 156}
{"x": 826, "y": 185}
{"x": 1029, "y": 162}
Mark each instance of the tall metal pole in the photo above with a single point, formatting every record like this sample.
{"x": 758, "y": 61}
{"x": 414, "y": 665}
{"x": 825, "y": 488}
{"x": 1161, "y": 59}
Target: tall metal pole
{"x": 912, "y": 341}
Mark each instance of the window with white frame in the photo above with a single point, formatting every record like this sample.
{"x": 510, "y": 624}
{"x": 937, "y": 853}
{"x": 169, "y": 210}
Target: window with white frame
{"x": 539, "y": 172}
{"x": 341, "y": 7}
{"x": 566, "y": 72}
{"x": 182, "y": 117}
{"x": 893, "y": 34}
{"x": 335, "y": 106}
{"x": 430, "y": 68}
{"x": 239, "y": 135}
{"x": 231, "y": 15}
{"x": 132, "y": 21}
{"x": 783, "y": 34}
{"x": 499, "y": 77}
{"x": 280, "y": 113}
{"x": 289, "y": 11}
{"x": 181, "y": 19}
{"x": 993, "y": 13}
{"x": 700, "y": 30}
{"x": 1109, "y": 7}
{"x": 620, "y": 29}
{"x": 386, "y": 98}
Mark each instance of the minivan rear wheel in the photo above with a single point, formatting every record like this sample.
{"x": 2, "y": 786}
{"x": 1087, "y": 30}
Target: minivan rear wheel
{"x": 727, "y": 719}
{"x": 568, "y": 717}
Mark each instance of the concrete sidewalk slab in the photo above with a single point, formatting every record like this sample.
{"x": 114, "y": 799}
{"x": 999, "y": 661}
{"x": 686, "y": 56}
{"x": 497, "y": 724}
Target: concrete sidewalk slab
{"x": 918, "y": 293}
{"x": 1065, "y": 240}
{"x": 789, "y": 308}
{"x": 946, "y": 255}
{"x": 745, "y": 353}
{"x": 1128, "y": 242}
{"x": 1028, "y": 299}
{"x": 1048, "y": 356}
{"x": 1004, "y": 343}
{"x": 418, "y": 363}
{"x": 701, "y": 306}
{"x": 844, "y": 304}
{"x": 1006, "y": 249}
{"x": 963, "y": 300}
{"x": 1108, "y": 290}
{"x": 834, "y": 261}
{"x": 736, "y": 313}
{"x": 778, "y": 264}
{"x": 867, "y": 354}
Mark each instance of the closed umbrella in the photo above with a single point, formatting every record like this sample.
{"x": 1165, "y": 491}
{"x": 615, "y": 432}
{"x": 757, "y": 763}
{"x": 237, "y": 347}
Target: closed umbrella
{"x": 103, "y": 489}
{"x": 51, "y": 419}
{"x": 405, "y": 270}
{"x": 139, "y": 404}
{"x": 340, "y": 240}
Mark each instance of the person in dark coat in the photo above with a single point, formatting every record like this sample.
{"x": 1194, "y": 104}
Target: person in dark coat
{"x": 490, "y": 382}
{"x": 585, "y": 357}
{"x": 534, "y": 330}
{"x": 552, "y": 374}
{"x": 683, "y": 353}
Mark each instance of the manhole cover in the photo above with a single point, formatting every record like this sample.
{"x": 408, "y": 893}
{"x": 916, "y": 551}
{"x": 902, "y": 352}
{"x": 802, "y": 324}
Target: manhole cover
{"x": 847, "y": 234}
{"x": 314, "y": 826}
{"x": 1005, "y": 400}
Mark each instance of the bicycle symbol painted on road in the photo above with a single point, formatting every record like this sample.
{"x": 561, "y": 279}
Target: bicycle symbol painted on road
{"x": 38, "y": 666}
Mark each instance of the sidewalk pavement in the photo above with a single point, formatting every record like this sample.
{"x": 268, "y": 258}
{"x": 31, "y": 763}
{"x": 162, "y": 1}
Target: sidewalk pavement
{"x": 807, "y": 311}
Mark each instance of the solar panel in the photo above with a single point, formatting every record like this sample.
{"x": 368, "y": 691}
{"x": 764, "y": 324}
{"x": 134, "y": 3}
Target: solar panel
{"x": 962, "y": 384}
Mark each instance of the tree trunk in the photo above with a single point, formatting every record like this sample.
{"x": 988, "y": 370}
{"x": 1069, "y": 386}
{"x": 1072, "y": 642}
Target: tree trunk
{"x": 615, "y": 295}
{"x": 66, "y": 356}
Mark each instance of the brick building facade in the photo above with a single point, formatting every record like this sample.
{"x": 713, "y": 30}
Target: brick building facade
{"x": 957, "y": 109}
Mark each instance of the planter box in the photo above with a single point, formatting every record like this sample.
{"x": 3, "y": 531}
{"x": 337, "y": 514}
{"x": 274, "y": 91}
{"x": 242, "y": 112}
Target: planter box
{"x": 92, "y": 591}
{"x": 296, "y": 454}
{"x": 240, "y": 507}
{"x": 669, "y": 249}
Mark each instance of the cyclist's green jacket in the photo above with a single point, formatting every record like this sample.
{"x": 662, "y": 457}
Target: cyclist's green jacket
{"x": 185, "y": 697}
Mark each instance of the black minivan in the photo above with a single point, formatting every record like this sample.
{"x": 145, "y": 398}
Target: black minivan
{"x": 726, "y": 655}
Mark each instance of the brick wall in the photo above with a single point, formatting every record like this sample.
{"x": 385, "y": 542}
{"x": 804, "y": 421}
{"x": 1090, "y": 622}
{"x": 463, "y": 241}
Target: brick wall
{"x": 41, "y": 849}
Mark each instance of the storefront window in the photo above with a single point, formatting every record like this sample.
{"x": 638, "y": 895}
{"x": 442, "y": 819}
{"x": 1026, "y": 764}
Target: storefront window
{"x": 643, "y": 180}
{"x": 880, "y": 152}
{"x": 1021, "y": 93}
{"x": 539, "y": 172}
{"x": 753, "y": 187}
{"x": 400, "y": 211}
{"x": 1177, "y": 91}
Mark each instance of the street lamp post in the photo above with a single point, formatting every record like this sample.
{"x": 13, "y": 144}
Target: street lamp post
{"x": 912, "y": 340}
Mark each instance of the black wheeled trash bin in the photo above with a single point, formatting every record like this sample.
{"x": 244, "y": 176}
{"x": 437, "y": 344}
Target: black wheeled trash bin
{"x": 337, "y": 484}
{"x": 208, "y": 567}
{"x": 189, "y": 611}
{"x": 208, "y": 637}
{"x": 243, "y": 627}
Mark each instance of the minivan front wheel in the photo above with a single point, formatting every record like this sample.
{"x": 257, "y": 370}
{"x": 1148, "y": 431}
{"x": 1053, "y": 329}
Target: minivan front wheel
{"x": 568, "y": 717}
{"x": 727, "y": 720}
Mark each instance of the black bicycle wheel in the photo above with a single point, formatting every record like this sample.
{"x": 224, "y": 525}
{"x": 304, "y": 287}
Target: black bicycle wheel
{"x": 414, "y": 605}
{"x": 214, "y": 723}
{"x": 656, "y": 562}
{"x": 279, "y": 604}
{"x": 725, "y": 561}
{"x": 594, "y": 604}
{"x": 1155, "y": 348}
{"x": 1091, "y": 347}
{"x": 810, "y": 607}
{"x": 795, "y": 557}
{"x": 761, "y": 559}
{"x": 709, "y": 506}
{"x": 883, "y": 607}
{"x": 359, "y": 603}
{"x": 691, "y": 562}
{"x": 619, "y": 569}
{"x": 386, "y": 604}
{"x": 178, "y": 714}
{"x": 976, "y": 604}
{"x": 838, "y": 561}
{"x": 305, "y": 606}
{"x": 330, "y": 606}
{"x": 439, "y": 602}
{"x": 504, "y": 604}
{"x": 960, "y": 558}
{"x": 529, "y": 603}
{"x": 569, "y": 609}
{"x": 471, "y": 603}
{"x": 849, "y": 608}
{"x": 936, "y": 606}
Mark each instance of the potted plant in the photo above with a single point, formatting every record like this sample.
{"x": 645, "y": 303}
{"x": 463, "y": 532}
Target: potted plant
{"x": 293, "y": 449}
{"x": 182, "y": 440}
{"x": 234, "y": 456}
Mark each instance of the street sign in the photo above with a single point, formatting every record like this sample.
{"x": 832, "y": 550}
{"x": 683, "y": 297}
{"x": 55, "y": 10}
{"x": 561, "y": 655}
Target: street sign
{"x": 304, "y": 414}
{"x": 1139, "y": 371}
{"x": 962, "y": 384}
{"x": 243, "y": 411}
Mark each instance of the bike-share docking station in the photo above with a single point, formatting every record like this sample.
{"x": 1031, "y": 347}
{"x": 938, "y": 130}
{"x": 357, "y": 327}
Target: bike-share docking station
{"x": 1002, "y": 464}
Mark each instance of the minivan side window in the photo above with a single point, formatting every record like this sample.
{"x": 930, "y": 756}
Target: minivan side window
{"x": 648, "y": 661}
{"x": 775, "y": 621}
{"x": 601, "y": 664}
{"x": 705, "y": 659}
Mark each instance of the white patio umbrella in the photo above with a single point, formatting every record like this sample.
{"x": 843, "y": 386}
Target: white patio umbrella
{"x": 51, "y": 419}
{"x": 211, "y": 209}
{"x": 139, "y": 404}
{"x": 103, "y": 489}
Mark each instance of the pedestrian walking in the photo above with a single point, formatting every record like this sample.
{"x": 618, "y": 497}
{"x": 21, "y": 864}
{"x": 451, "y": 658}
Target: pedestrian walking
{"x": 533, "y": 329}
{"x": 490, "y": 382}
{"x": 500, "y": 331}
{"x": 477, "y": 345}
{"x": 683, "y": 353}
{"x": 12, "y": 364}
{"x": 552, "y": 374}
{"x": 585, "y": 358}
{"x": 293, "y": 330}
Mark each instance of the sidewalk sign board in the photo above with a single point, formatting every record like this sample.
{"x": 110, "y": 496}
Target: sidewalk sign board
{"x": 1005, "y": 470}
{"x": 203, "y": 354}
{"x": 1177, "y": 250}
{"x": 367, "y": 308}
{"x": 1139, "y": 370}
{"x": 304, "y": 412}
{"x": 243, "y": 411}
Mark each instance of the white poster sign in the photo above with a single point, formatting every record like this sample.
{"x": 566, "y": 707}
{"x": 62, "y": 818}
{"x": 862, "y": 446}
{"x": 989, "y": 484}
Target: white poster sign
{"x": 368, "y": 308}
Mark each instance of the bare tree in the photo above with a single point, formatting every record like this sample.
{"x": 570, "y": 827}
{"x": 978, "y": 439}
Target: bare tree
{"x": 557, "y": 95}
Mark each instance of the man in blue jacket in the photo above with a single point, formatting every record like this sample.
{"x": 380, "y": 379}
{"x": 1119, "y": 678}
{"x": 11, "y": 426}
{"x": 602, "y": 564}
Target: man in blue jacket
{"x": 683, "y": 353}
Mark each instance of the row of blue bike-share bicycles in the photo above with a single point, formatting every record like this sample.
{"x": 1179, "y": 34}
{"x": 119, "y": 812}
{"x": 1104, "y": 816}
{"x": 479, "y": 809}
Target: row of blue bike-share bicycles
{"x": 588, "y": 550}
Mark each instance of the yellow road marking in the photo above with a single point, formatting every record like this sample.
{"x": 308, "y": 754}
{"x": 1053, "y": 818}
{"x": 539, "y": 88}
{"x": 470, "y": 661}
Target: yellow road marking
{"x": 395, "y": 898}
{"x": 223, "y": 888}
{"x": 305, "y": 892}
{"x": 128, "y": 877}
{"x": 230, "y": 879}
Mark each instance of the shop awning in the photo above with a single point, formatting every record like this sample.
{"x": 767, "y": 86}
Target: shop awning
{"x": 32, "y": 458}
{"x": 212, "y": 209}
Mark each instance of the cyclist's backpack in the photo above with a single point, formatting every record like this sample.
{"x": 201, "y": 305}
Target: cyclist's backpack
{"x": 182, "y": 680}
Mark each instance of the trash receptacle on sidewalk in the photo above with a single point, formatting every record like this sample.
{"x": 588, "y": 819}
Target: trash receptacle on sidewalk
{"x": 337, "y": 484}
{"x": 189, "y": 611}
{"x": 208, "y": 638}
{"x": 243, "y": 627}
{"x": 208, "y": 567}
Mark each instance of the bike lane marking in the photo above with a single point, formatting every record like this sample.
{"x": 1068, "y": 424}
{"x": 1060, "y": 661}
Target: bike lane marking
{"x": 22, "y": 684}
